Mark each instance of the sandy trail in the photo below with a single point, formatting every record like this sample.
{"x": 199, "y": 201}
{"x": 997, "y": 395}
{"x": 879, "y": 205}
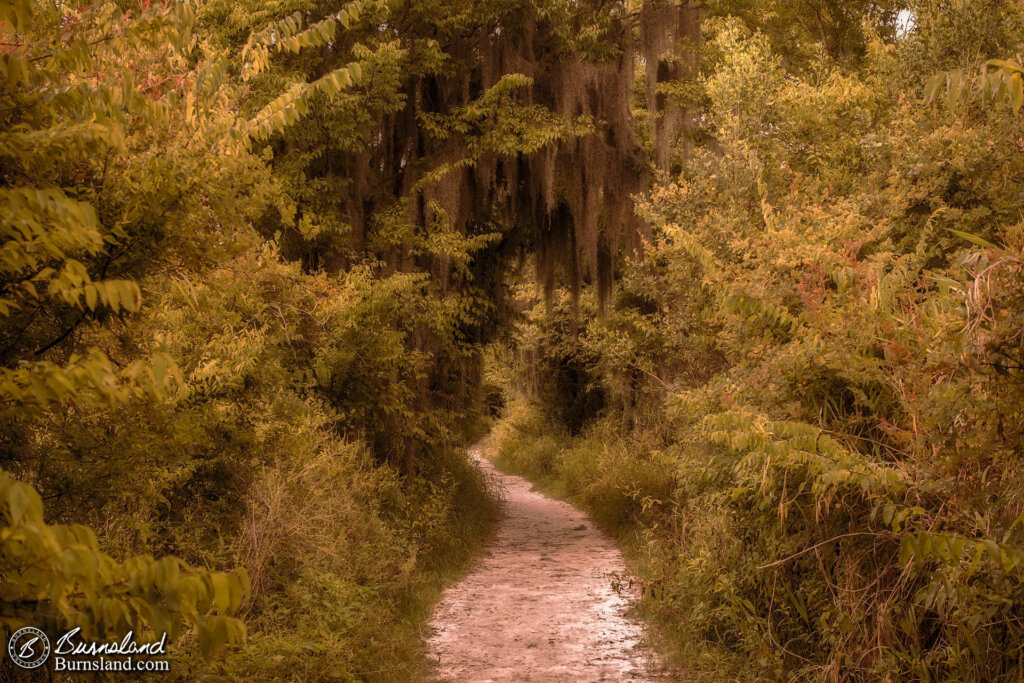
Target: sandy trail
{"x": 540, "y": 606}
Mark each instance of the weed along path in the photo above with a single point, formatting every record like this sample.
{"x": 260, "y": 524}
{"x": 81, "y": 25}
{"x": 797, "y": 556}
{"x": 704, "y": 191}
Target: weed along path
{"x": 540, "y": 605}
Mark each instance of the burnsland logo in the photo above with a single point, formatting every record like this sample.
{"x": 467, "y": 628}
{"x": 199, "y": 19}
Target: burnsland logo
{"x": 29, "y": 648}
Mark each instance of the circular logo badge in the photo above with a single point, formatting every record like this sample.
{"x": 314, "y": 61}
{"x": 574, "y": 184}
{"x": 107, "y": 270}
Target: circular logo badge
{"x": 28, "y": 647}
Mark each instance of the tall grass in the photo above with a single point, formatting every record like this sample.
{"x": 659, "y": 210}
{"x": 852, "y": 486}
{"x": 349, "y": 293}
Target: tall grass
{"x": 633, "y": 492}
{"x": 348, "y": 558}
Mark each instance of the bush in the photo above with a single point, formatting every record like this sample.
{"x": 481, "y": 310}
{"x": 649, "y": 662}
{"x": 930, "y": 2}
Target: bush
{"x": 812, "y": 436}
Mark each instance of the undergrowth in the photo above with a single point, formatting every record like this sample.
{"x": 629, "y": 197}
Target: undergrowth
{"x": 352, "y": 567}
{"x": 630, "y": 496}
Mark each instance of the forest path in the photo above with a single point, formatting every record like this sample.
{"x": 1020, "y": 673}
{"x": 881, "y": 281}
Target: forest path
{"x": 540, "y": 605}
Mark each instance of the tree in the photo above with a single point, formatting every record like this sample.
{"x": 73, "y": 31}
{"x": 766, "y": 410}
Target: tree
{"x": 72, "y": 104}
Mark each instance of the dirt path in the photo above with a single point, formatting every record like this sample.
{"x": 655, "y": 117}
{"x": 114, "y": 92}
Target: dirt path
{"x": 540, "y": 606}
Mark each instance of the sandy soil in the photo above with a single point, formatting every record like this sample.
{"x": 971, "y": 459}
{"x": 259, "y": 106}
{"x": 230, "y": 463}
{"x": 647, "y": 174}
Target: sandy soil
{"x": 541, "y": 604}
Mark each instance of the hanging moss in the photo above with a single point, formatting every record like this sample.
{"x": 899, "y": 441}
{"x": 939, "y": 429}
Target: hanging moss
{"x": 522, "y": 120}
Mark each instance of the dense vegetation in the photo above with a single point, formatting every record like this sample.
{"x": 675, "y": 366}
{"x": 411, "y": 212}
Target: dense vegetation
{"x": 803, "y": 408}
{"x": 176, "y": 381}
{"x": 263, "y": 274}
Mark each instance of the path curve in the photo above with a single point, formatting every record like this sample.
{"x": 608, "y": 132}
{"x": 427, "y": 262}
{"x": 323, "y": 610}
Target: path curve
{"x": 541, "y": 604}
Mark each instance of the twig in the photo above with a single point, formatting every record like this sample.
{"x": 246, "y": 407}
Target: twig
{"x": 818, "y": 545}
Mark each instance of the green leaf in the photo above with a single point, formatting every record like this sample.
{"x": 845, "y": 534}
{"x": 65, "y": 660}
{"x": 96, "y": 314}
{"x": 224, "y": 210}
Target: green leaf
{"x": 932, "y": 88}
{"x": 974, "y": 239}
{"x": 23, "y": 503}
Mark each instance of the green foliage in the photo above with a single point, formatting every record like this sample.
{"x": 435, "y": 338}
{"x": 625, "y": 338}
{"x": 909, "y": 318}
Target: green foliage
{"x": 814, "y": 379}
{"x": 806, "y": 33}
{"x": 33, "y": 387}
{"x": 999, "y": 81}
{"x": 252, "y": 255}
{"x": 169, "y": 381}
{"x": 245, "y": 464}
{"x": 70, "y": 109}
{"x": 56, "y": 578}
